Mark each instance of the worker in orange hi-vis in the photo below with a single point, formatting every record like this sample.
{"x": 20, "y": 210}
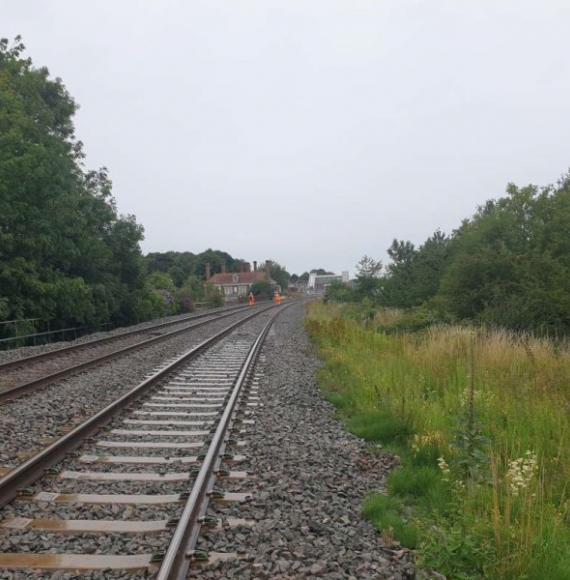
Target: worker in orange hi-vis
{"x": 251, "y": 299}
{"x": 277, "y": 297}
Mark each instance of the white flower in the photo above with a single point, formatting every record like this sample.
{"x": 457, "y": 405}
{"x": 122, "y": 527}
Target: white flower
{"x": 442, "y": 464}
{"x": 521, "y": 472}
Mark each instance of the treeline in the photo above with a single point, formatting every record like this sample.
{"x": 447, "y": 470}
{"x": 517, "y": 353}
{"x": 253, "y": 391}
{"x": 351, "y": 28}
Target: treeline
{"x": 507, "y": 265}
{"x": 65, "y": 252}
{"x": 183, "y": 268}
{"x": 180, "y": 277}
{"x": 66, "y": 255}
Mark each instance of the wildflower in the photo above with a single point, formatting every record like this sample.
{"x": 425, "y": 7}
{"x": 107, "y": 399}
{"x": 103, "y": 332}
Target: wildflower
{"x": 521, "y": 472}
{"x": 442, "y": 464}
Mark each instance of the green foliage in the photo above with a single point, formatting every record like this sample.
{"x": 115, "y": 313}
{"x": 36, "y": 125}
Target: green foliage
{"x": 380, "y": 426}
{"x": 262, "y": 289}
{"x": 181, "y": 265}
{"x": 213, "y": 296}
{"x": 65, "y": 253}
{"x": 413, "y": 480}
{"x": 339, "y": 292}
{"x": 509, "y": 265}
{"x": 280, "y": 275}
{"x": 479, "y": 421}
{"x": 414, "y": 275}
{"x": 386, "y": 513}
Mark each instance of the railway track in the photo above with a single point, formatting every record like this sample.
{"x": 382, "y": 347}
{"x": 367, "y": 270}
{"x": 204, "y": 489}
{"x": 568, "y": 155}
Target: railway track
{"x": 25, "y": 375}
{"x": 136, "y": 478}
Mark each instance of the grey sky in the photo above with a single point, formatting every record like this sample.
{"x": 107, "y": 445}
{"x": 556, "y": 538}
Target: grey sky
{"x": 310, "y": 131}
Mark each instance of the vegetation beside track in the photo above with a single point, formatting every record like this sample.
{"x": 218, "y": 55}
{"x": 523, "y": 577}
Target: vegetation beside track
{"x": 68, "y": 259}
{"x": 480, "y": 420}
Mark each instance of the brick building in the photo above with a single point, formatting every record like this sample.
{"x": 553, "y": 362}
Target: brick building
{"x": 236, "y": 285}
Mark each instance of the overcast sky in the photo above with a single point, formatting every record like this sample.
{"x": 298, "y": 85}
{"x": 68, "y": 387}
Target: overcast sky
{"x": 309, "y": 131}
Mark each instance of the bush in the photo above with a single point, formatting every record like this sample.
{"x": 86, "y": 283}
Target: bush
{"x": 262, "y": 290}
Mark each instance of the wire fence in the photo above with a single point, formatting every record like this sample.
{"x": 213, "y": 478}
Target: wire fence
{"x": 35, "y": 331}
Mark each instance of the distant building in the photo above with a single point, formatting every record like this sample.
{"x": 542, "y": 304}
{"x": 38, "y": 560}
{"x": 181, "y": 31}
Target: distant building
{"x": 236, "y": 285}
{"x": 318, "y": 283}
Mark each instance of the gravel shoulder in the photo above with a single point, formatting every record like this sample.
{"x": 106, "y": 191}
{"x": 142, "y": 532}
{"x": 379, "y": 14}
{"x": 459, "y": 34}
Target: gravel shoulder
{"x": 311, "y": 477}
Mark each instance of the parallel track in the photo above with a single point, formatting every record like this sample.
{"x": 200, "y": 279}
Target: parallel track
{"x": 29, "y": 374}
{"x": 204, "y": 387}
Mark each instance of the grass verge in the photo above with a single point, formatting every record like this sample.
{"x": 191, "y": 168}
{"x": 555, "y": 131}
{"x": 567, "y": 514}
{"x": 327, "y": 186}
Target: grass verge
{"x": 480, "y": 420}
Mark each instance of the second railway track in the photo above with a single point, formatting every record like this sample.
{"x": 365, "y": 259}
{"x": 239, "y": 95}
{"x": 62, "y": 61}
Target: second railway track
{"x": 25, "y": 375}
{"x": 145, "y": 470}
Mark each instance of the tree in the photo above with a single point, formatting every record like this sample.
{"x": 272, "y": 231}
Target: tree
{"x": 65, "y": 253}
{"x": 262, "y": 289}
{"x": 280, "y": 275}
{"x": 368, "y": 283}
{"x": 368, "y": 267}
{"x": 510, "y": 263}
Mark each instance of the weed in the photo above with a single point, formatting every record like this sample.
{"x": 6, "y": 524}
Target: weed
{"x": 480, "y": 420}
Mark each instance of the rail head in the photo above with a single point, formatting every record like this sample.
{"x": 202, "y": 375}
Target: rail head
{"x": 32, "y": 469}
{"x": 177, "y": 560}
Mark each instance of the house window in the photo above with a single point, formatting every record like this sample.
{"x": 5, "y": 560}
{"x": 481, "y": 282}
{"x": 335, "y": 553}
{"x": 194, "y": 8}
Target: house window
{"x": 235, "y": 289}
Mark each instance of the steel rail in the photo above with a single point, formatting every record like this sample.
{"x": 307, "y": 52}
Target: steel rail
{"x": 177, "y": 560}
{"x": 107, "y": 339}
{"x": 35, "y": 384}
{"x": 34, "y": 468}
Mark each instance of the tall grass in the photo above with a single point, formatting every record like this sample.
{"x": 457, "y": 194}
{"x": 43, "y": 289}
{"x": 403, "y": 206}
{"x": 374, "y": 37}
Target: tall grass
{"x": 481, "y": 419}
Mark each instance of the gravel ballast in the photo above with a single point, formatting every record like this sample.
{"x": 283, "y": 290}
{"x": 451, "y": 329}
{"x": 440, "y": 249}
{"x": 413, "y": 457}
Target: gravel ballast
{"x": 311, "y": 477}
{"x": 309, "y": 480}
{"x": 31, "y": 422}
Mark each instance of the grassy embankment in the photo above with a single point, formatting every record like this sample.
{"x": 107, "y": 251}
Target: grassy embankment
{"x": 481, "y": 422}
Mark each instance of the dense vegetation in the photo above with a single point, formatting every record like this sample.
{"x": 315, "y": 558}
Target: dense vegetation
{"x": 479, "y": 419}
{"x": 66, "y": 255}
{"x": 455, "y": 357}
{"x": 508, "y": 265}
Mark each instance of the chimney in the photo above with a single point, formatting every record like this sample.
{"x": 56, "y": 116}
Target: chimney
{"x": 247, "y": 267}
{"x": 242, "y": 267}
{"x": 223, "y": 267}
{"x": 255, "y": 265}
{"x": 208, "y": 271}
{"x": 268, "y": 268}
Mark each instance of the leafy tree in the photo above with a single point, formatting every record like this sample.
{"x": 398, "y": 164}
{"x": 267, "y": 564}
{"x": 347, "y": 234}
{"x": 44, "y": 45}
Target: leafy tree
{"x": 321, "y": 272}
{"x": 262, "y": 289}
{"x": 510, "y": 263}
{"x": 280, "y": 275}
{"x": 65, "y": 253}
{"x": 339, "y": 292}
{"x": 368, "y": 283}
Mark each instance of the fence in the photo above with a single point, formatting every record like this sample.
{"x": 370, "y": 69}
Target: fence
{"x": 25, "y": 332}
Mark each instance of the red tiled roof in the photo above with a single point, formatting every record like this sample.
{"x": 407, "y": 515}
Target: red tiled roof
{"x": 242, "y": 278}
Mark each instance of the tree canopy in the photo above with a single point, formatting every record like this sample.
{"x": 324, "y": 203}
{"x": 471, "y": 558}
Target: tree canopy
{"x": 65, "y": 253}
{"x": 507, "y": 265}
